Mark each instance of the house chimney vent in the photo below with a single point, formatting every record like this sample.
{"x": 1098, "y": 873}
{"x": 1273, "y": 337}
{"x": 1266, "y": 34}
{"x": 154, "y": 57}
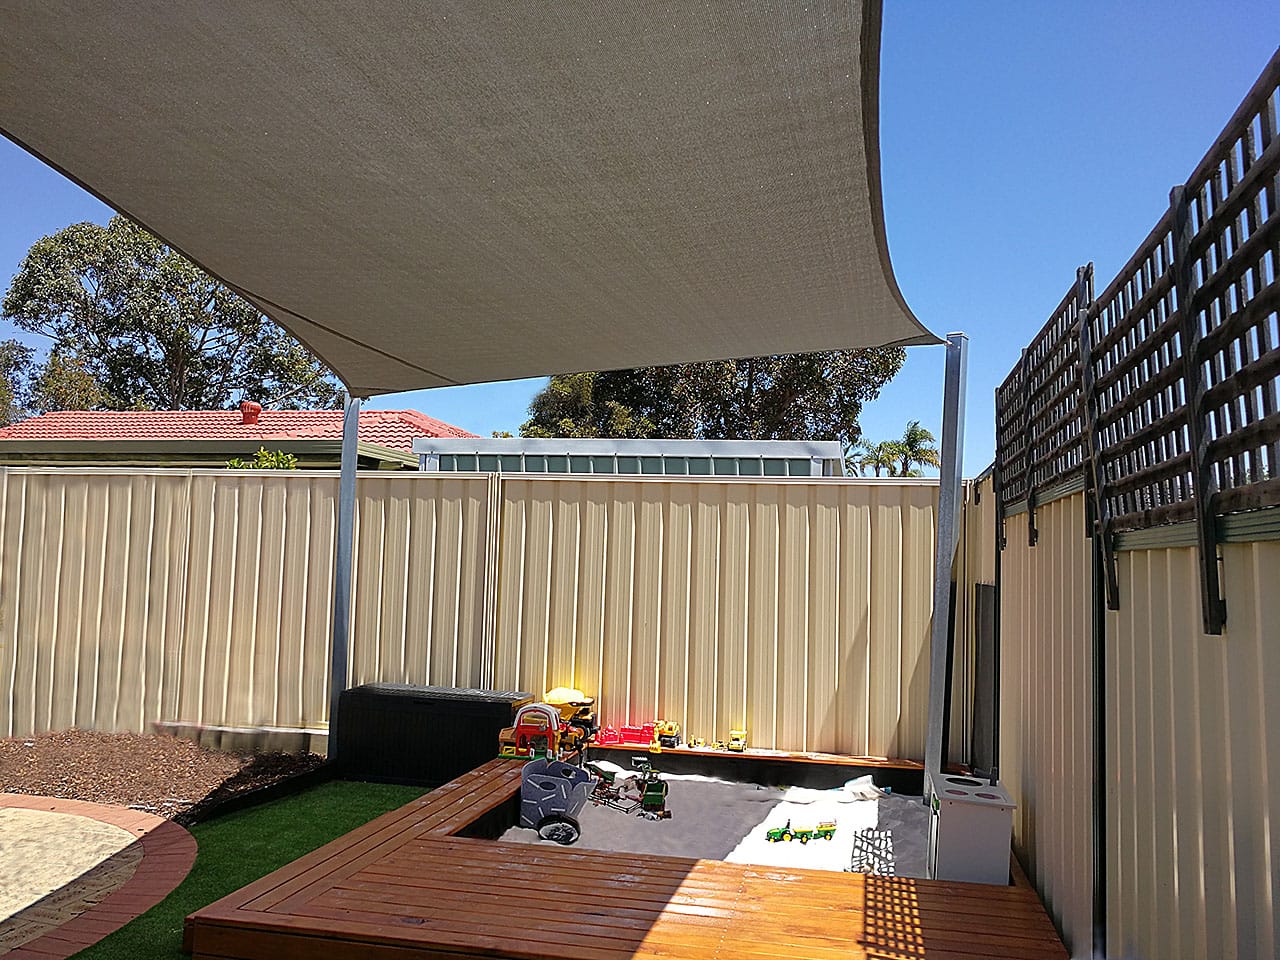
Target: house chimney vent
{"x": 249, "y": 412}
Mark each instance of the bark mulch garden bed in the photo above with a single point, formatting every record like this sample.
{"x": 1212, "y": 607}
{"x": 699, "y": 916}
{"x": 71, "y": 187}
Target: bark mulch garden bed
{"x": 163, "y": 775}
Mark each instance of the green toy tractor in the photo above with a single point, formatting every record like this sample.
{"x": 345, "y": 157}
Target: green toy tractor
{"x": 825, "y": 830}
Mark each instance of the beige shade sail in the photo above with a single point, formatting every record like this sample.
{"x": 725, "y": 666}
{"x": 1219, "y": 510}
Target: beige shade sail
{"x": 441, "y": 193}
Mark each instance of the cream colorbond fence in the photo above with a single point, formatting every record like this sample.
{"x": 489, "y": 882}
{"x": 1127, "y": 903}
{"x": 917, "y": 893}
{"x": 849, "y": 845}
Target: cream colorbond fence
{"x": 975, "y": 564}
{"x": 799, "y": 609}
{"x": 1157, "y": 403}
{"x": 1192, "y": 749}
{"x": 1193, "y": 759}
{"x": 1046, "y": 708}
{"x": 206, "y": 596}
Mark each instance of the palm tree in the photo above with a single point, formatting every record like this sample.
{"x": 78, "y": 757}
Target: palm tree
{"x": 854, "y": 456}
{"x": 884, "y": 456}
{"x": 916, "y": 448}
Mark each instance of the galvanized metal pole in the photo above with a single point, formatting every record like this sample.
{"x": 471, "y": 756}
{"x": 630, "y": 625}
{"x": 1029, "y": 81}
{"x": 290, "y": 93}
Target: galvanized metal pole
{"x": 342, "y": 564}
{"x": 948, "y": 536}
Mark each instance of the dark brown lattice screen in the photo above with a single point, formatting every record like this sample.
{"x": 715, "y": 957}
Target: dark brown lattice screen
{"x": 1165, "y": 391}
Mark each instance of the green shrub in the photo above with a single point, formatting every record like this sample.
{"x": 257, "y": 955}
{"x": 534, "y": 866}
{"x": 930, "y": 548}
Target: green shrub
{"x": 265, "y": 459}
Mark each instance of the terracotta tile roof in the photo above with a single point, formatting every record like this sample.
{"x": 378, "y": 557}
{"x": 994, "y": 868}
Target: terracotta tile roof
{"x": 396, "y": 429}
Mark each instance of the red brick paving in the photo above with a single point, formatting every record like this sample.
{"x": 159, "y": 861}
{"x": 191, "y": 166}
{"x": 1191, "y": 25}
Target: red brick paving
{"x": 168, "y": 852}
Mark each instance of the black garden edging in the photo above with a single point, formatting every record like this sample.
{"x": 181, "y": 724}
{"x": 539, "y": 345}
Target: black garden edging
{"x": 220, "y": 802}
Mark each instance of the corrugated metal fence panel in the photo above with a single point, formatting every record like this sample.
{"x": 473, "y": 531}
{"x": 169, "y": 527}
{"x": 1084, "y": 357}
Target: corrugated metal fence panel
{"x": 799, "y": 610}
{"x": 420, "y": 559}
{"x": 1193, "y": 761}
{"x": 206, "y": 596}
{"x": 1046, "y": 728}
{"x": 258, "y": 578}
{"x": 91, "y": 567}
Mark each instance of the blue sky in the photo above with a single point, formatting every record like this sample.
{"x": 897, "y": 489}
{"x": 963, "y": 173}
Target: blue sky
{"x": 1018, "y": 141}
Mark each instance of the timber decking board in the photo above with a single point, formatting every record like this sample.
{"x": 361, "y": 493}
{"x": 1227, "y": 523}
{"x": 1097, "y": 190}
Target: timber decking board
{"x": 486, "y": 787}
{"x": 406, "y": 886}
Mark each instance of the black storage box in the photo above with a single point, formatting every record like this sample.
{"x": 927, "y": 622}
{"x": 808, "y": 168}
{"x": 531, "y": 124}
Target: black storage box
{"x": 398, "y": 733}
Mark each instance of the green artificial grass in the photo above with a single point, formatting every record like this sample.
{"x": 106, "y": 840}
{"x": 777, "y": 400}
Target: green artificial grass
{"x": 241, "y": 847}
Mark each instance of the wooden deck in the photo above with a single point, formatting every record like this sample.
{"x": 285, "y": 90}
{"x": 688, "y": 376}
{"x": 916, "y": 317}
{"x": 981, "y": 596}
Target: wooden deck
{"x": 408, "y": 885}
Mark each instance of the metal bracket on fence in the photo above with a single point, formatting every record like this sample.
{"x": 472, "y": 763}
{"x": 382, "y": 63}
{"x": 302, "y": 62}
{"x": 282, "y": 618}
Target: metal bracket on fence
{"x": 997, "y": 493}
{"x": 1204, "y": 484}
{"x": 1101, "y": 526}
{"x": 1029, "y": 451}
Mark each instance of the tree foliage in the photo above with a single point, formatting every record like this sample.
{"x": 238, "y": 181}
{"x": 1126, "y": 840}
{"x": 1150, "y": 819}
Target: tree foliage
{"x": 815, "y": 396}
{"x": 904, "y": 457}
{"x": 881, "y": 458}
{"x": 63, "y": 382}
{"x": 265, "y": 459}
{"x": 15, "y": 362}
{"x": 916, "y": 450}
{"x": 134, "y": 324}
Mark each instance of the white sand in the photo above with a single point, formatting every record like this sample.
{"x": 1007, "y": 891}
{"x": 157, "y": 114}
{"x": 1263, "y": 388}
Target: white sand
{"x": 40, "y": 852}
{"x": 720, "y": 820}
{"x": 807, "y": 808}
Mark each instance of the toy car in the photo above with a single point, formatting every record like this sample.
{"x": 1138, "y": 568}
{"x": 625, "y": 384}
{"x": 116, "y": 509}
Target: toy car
{"x": 737, "y": 741}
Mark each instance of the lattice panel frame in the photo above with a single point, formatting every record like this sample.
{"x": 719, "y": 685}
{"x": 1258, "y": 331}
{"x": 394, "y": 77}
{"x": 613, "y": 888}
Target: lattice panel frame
{"x": 1139, "y": 390}
{"x": 1185, "y": 405}
{"x": 1011, "y": 439}
{"x": 1040, "y": 424}
{"x": 1055, "y": 408}
{"x": 1233, "y": 255}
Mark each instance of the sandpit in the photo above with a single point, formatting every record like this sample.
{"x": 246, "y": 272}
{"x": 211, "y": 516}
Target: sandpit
{"x": 722, "y": 820}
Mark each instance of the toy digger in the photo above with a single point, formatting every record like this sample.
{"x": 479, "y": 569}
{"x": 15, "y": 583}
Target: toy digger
{"x": 667, "y": 733}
